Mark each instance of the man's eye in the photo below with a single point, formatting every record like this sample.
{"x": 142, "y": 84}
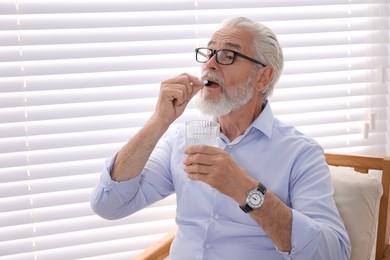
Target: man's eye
{"x": 227, "y": 55}
{"x": 230, "y": 57}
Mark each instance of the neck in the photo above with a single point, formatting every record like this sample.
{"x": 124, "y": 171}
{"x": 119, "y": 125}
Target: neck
{"x": 236, "y": 122}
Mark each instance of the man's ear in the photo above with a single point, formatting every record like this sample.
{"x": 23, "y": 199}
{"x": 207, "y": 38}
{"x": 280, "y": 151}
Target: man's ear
{"x": 264, "y": 77}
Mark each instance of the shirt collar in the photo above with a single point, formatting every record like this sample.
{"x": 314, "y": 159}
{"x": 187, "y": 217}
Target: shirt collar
{"x": 264, "y": 121}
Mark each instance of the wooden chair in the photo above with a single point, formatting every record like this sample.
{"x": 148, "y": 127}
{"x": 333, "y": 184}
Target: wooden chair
{"x": 159, "y": 250}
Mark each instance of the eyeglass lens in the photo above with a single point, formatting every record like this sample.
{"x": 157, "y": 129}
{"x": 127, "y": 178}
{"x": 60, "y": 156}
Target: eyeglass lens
{"x": 222, "y": 56}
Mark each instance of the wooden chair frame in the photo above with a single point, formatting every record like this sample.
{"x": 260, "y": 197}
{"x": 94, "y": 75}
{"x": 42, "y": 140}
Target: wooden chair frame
{"x": 159, "y": 250}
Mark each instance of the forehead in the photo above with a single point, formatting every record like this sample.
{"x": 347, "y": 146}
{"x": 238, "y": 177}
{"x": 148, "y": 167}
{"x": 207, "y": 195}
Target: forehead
{"x": 230, "y": 37}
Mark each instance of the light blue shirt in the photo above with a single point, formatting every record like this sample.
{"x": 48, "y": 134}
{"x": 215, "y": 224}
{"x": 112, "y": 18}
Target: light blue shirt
{"x": 210, "y": 224}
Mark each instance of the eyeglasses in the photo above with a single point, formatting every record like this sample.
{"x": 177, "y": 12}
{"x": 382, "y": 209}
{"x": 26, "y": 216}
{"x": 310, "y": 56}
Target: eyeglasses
{"x": 223, "y": 56}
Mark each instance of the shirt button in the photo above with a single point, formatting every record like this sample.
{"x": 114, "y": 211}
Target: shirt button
{"x": 216, "y": 216}
{"x": 207, "y": 246}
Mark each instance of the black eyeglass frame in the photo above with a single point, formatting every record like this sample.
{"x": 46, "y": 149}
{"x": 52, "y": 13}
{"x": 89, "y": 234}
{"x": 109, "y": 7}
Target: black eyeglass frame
{"x": 215, "y": 52}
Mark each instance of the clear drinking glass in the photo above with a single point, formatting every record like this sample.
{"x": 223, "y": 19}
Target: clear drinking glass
{"x": 202, "y": 132}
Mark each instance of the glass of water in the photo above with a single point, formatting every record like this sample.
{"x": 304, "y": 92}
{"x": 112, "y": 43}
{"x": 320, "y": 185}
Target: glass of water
{"x": 202, "y": 132}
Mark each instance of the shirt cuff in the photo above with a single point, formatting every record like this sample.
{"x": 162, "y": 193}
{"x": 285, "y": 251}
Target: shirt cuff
{"x": 108, "y": 183}
{"x": 305, "y": 237}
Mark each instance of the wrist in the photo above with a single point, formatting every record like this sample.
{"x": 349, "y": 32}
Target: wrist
{"x": 159, "y": 124}
{"x": 249, "y": 185}
{"x": 254, "y": 199}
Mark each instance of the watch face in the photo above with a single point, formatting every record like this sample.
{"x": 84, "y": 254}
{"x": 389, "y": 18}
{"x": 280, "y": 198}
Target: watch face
{"x": 255, "y": 199}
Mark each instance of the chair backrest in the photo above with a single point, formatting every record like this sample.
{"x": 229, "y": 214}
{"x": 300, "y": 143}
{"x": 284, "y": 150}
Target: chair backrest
{"x": 363, "y": 164}
{"x": 159, "y": 250}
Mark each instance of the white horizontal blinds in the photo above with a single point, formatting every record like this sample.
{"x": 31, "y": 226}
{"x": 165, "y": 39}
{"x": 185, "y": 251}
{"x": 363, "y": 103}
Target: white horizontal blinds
{"x": 78, "y": 79}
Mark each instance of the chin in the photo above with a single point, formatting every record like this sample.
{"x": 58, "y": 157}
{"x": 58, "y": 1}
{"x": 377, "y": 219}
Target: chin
{"x": 221, "y": 107}
{"x": 214, "y": 109}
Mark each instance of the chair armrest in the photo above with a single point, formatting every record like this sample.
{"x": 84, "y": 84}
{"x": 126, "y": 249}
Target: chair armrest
{"x": 159, "y": 250}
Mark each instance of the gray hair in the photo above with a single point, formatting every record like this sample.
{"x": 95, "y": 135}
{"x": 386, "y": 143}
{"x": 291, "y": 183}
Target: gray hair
{"x": 266, "y": 47}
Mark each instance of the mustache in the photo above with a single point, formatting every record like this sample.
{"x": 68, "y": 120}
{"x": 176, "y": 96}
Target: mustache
{"x": 213, "y": 77}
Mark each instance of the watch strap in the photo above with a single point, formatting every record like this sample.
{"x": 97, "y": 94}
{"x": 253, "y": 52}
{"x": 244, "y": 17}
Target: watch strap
{"x": 262, "y": 188}
{"x": 246, "y": 208}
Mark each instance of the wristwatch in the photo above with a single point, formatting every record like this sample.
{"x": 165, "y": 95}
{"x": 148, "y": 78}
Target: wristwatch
{"x": 254, "y": 199}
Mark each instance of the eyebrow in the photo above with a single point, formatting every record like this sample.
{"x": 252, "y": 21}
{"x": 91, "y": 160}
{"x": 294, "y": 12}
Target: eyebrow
{"x": 229, "y": 44}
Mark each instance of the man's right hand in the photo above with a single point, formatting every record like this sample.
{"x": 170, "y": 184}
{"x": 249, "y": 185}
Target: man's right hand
{"x": 175, "y": 94}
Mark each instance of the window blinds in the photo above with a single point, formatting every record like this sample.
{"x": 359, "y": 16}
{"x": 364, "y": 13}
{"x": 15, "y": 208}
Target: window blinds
{"x": 79, "y": 78}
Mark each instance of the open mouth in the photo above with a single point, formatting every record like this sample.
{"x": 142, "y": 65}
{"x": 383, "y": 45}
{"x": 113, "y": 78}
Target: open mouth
{"x": 212, "y": 84}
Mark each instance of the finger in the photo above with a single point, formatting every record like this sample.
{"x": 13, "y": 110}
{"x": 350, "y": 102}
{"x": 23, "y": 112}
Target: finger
{"x": 176, "y": 93}
{"x": 202, "y": 149}
{"x": 183, "y": 81}
{"x": 198, "y": 160}
{"x": 195, "y": 83}
{"x": 181, "y": 97}
{"x": 195, "y": 176}
{"x": 197, "y": 169}
{"x": 192, "y": 86}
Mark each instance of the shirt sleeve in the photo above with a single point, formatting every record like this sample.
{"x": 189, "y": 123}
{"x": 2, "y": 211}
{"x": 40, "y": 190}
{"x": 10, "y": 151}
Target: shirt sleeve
{"x": 112, "y": 200}
{"x": 109, "y": 197}
{"x": 317, "y": 228}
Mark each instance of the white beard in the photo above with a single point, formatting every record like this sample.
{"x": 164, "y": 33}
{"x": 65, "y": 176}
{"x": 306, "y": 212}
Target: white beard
{"x": 229, "y": 100}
